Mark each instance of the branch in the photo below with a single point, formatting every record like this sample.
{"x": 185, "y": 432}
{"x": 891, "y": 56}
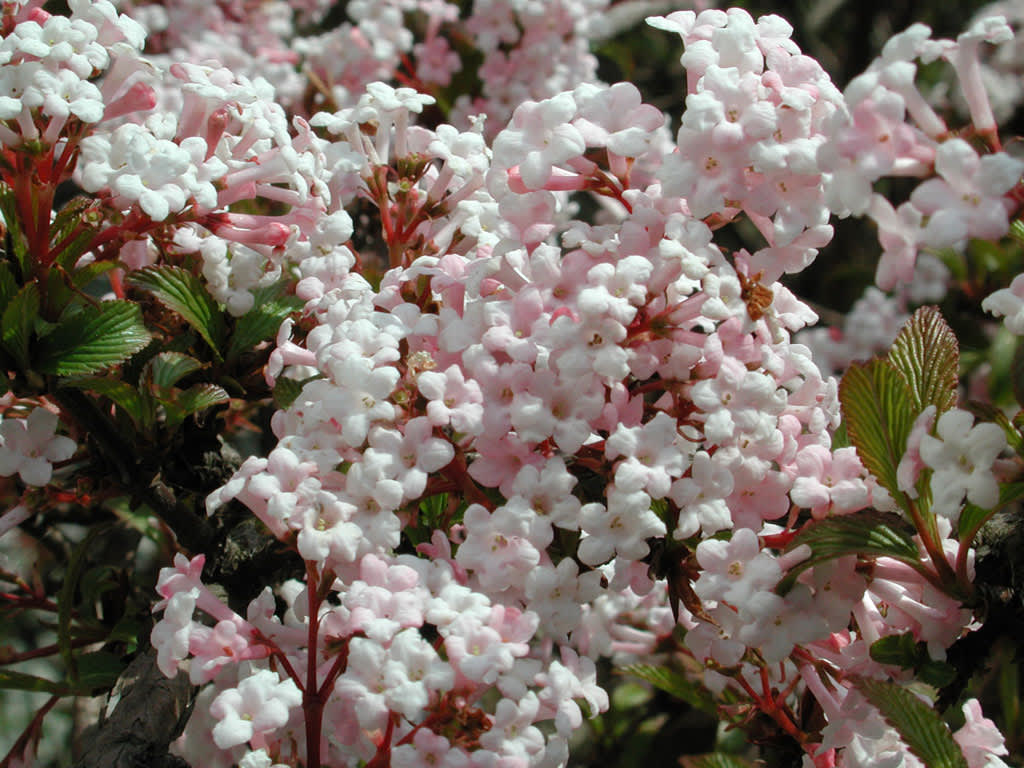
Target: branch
{"x": 151, "y": 712}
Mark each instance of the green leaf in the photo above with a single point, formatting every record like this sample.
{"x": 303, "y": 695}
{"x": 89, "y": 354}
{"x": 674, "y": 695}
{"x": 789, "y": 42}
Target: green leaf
{"x": 18, "y": 321}
{"x": 867, "y": 533}
{"x": 263, "y": 320}
{"x": 673, "y": 683}
{"x": 122, "y": 394}
{"x": 927, "y": 354}
{"x": 287, "y": 391}
{"x": 937, "y": 674}
{"x": 166, "y": 369}
{"x": 192, "y": 400}
{"x": 96, "y": 671}
{"x": 920, "y": 726}
{"x": 907, "y": 653}
{"x": 19, "y": 681}
{"x": 877, "y": 409}
{"x": 200, "y": 397}
{"x": 839, "y": 438}
{"x": 93, "y": 339}
{"x": 180, "y": 290}
{"x": 897, "y": 650}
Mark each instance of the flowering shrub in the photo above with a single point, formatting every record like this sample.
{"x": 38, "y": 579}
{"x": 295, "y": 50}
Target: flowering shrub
{"x": 531, "y": 414}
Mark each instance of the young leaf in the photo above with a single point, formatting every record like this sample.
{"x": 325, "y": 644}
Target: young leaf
{"x": 17, "y": 322}
{"x": 920, "y": 726}
{"x": 180, "y": 290}
{"x": 263, "y": 320}
{"x": 93, "y": 339}
{"x": 877, "y": 409}
{"x": 927, "y": 354}
{"x": 868, "y": 533}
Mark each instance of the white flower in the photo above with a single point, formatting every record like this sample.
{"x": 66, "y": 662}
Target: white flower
{"x": 961, "y": 456}
{"x": 259, "y": 704}
{"x": 30, "y": 446}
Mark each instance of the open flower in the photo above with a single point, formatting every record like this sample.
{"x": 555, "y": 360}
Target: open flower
{"x": 30, "y": 446}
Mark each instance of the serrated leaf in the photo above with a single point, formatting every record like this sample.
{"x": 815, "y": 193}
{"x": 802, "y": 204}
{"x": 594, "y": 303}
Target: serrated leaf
{"x": 17, "y": 323}
{"x": 263, "y": 320}
{"x": 193, "y": 400}
{"x": 878, "y": 412}
{"x": 896, "y": 650}
{"x": 201, "y": 396}
{"x": 19, "y": 681}
{"x": 673, "y": 683}
{"x": 93, "y": 339}
{"x": 166, "y": 369}
{"x": 927, "y": 355}
{"x": 867, "y": 533}
{"x": 714, "y": 760}
{"x": 121, "y": 393}
{"x": 180, "y": 290}
{"x": 918, "y": 725}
